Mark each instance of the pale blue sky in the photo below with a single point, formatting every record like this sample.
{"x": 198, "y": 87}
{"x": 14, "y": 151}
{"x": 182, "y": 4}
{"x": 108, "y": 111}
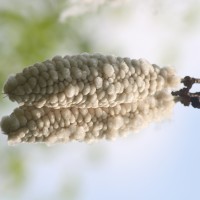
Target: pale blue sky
{"x": 162, "y": 162}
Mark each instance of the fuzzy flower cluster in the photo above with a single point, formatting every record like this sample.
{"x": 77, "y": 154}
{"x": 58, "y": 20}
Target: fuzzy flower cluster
{"x": 86, "y": 97}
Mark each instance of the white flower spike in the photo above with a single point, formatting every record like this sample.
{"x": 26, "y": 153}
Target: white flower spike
{"x": 86, "y": 98}
{"x": 88, "y": 81}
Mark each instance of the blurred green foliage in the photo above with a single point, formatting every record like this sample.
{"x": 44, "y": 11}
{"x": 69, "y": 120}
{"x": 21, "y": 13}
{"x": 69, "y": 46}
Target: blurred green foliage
{"x": 15, "y": 166}
{"x": 70, "y": 188}
{"x": 32, "y": 34}
{"x": 191, "y": 16}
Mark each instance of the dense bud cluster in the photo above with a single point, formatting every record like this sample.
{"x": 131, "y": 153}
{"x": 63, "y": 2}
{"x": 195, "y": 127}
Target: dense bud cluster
{"x": 88, "y": 81}
{"x": 30, "y": 124}
{"x": 86, "y": 97}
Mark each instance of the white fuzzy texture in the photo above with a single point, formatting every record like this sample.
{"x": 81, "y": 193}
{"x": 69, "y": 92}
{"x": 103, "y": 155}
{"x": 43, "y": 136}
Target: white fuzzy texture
{"x": 87, "y": 98}
{"x": 83, "y": 79}
{"x": 85, "y": 124}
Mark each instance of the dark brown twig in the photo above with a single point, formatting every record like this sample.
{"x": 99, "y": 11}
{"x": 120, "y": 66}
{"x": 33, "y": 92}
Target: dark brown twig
{"x": 185, "y": 96}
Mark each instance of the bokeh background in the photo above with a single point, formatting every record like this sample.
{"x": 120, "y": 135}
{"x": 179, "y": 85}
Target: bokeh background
{"x": 161, "y": 161}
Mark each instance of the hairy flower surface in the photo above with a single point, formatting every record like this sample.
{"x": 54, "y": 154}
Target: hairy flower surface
{"x": 86, "y": 98}
{"x": 88, "y": 81}
{"x": 30, "y": 124}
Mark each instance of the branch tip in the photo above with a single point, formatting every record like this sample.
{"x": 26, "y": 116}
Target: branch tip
{"x": 184, "y": 95}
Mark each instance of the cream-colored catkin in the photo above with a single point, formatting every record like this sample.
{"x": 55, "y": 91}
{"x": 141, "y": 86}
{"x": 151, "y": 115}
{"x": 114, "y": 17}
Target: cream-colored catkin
{"x": 88, "y": 81}
{"x": 31, "y": 124}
